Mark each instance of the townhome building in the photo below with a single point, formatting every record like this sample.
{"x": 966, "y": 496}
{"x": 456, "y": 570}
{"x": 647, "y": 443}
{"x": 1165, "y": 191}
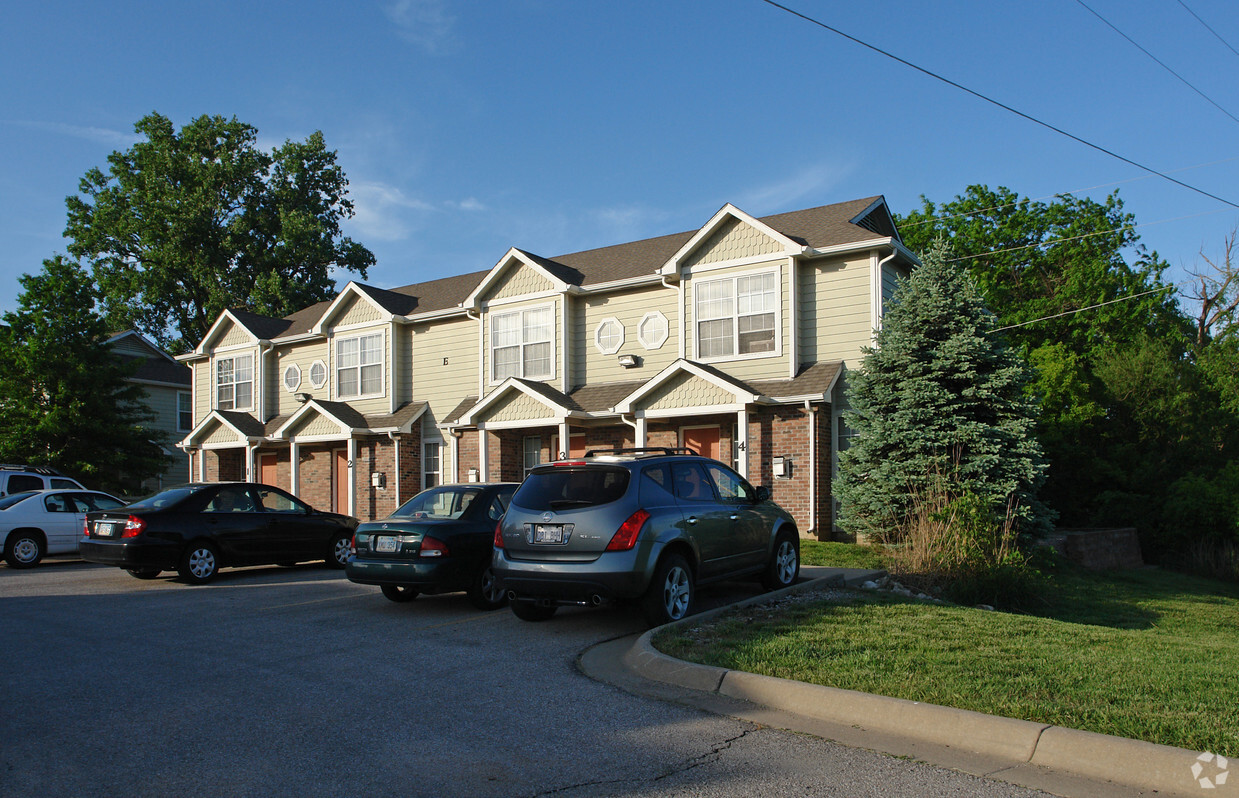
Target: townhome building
{"x": 167, "y": 388}
{"x": 733, "y": 339}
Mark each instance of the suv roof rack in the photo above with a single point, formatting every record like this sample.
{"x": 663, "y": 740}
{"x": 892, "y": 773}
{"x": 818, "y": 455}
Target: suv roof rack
{"x": 45, "y": 470}
{"x": 651, "y": 450}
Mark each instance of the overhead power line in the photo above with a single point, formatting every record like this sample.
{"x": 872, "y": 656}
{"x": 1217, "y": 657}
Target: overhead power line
{"x": 1081, "y": 310}
{"x": 1211, "y": 30}
{"x": 1001, "y": 105}
{"x": 1160, "y": 63}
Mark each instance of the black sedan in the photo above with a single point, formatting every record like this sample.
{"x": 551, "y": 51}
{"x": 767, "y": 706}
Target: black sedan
{"x": 198, "y": 529}
{"x": 437, "y": 542}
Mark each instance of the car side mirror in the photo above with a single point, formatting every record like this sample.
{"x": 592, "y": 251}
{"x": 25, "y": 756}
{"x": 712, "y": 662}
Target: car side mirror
{"x": 762, "y": 494}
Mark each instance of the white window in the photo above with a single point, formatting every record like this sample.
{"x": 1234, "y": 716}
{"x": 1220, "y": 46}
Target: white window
{"x": 609, "y": 336}
{"x": 431, "y": 474}
{"x": 737, "y": 316}
{"x": 234, "y": 383}
{"x": 521, "y": 344}
{"x": 318, "y": 374}
{"x": 533, "y": 453}
{"x": 292, "y": 378}
{"x": 652, "y": 330}
{"x": 184, "y": 411}
{"x": 359, "y": 366}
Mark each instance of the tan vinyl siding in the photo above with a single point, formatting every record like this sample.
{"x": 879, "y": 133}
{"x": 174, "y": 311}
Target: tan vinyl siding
{"x": 315, "y": 425}
{"x": 303, "y": 356}
{"x": 732, "y": 241}
{"x": 232, "y": 335}
{"x": 517, "y": 281}
{"x": 204, "y": 389}
{"x": 445, "y": 365}
{"x": 750, "y": 368}
{"x": 590, "y": 366}
{"x": 402, "y": 364}
{"x": 356, "y": 311}
{"x": 222, "y": 434}
{"x": 687, "y": 390}
{"x": 517, "y": 406}
{"x": 839, "y": 291}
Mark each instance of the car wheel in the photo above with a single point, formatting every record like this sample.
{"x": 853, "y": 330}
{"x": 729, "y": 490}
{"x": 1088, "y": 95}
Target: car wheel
{"x": 144, "y": 573}
{"x": 670, "y": 594}
{"x": 338, "y": 551}
{"x": 200, "y": 564}
{"x": 784, "y": 565}
{"x": 529, "y": 611}
{"x": 399, "y": 593}
{"x": 23, "y": 549}
{"x": 485, "y": 592}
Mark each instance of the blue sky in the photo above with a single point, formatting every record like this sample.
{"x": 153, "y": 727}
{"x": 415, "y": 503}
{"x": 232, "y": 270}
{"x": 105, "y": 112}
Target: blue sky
{"x": 469, "y": 127}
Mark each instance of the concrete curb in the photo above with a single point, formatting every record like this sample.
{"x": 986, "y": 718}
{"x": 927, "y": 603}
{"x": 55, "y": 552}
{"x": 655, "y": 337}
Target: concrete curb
{"x": 1129, "y": 763}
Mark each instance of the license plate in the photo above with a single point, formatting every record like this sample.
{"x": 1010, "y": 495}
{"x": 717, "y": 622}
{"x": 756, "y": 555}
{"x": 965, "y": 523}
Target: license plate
{"x": 105, "y": 530}
{"x": 548, "y": 533}
{"x": 387, "y": 544}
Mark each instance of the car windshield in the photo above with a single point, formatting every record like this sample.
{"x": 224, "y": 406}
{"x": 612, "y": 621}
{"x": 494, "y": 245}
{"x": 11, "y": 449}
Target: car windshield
{"x": 444, "y": 503}
{"x": 14, "y": 498}
{"x": 165, "y": 498}
{"x": 562, "y": 488}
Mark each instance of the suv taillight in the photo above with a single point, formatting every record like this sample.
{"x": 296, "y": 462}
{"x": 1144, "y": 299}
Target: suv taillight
{"x": 433, "y": 547}
{"x": 626, "y": 536}
{"x": 133, "y": 527}
{"x": 498, "y": 542}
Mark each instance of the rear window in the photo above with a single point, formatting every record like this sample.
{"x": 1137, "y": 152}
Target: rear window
{"x": 562, "y": 488}
{"x": 165, "y": 498}
{"x": 439, "y": 503}
{"x": 14, "y": 498}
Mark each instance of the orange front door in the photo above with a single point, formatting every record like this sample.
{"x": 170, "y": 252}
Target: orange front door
{"x": 702, "y": 440}
{"x": 339, "y": 481}
{"x": 267, "y": 469}
{"x": 576, "y": 446}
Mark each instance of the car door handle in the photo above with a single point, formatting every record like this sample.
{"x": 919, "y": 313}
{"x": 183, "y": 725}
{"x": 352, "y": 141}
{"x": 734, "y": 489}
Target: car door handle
{"x": 692, "y": 519}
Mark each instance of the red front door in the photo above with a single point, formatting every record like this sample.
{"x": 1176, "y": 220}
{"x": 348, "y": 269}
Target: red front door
{"x": 702, "y": 440}
{"x": 268, "y": 465}
{"x": 339, "y": 481}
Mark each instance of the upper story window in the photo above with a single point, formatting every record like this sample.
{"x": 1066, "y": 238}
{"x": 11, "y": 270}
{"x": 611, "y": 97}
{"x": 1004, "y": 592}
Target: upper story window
{"x": 521, "y": 344}
{"x": 359, "y": 366}
{"x": 737, "y": 316}
{"x": 234, "y": 382}
{"x": 184, "y": 411}
{"x": 609, "y": 336}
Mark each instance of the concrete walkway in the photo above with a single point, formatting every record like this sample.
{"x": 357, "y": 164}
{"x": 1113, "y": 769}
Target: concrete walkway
{"x": 1062, "y": 761}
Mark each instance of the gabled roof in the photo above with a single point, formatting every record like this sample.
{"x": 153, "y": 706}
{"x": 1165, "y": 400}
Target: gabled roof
{"x": 515, "y": 258}
{"x": 387, "y": 303}
{"x": 744, "y": 393}
{"x": 349, "y": 419}
{"x": 155, "y": 365}
{"x": 559, "y": 403}
{"x": 243, "y": 424}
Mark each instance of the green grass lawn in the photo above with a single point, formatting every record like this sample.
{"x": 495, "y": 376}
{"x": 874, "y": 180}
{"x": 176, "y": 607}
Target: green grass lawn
{"x": 1148, "y": 654}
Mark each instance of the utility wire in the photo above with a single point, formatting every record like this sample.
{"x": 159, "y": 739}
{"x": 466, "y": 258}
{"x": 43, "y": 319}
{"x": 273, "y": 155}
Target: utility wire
{"x": 1003, "y": 106}
{"x": 1083, "y": 235}
{"x": 1081, "y": 310}
{"x": 931, "y": 219}
{"x": 1160, "y": 63}
{"x": 1211, "y": 30}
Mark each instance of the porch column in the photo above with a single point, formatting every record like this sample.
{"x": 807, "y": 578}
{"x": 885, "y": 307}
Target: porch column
{"x": 565, "y": 442}
{"x": 640, "y": 433}
{"x": 454, "y": 447}
{"x": 249, "y": 461}
{"x": 294, "y": 468}
{"x": 483, "y": 458}
{"x": 742, "y": 441}
{"x": 352, "y": 476}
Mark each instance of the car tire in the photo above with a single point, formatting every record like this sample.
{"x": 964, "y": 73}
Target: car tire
{"x": 784, "y": 566}
{"x": 144, "y": 573}
{"x": 398, "y": 593}
{"x": 484, "y": 591}
{"x": 24, "y": 549}
{"x": 200, "y": 564}
{"x": 338, "y": 550}
{"x": 670, "y": 594}
{"x": 529, "y": 611}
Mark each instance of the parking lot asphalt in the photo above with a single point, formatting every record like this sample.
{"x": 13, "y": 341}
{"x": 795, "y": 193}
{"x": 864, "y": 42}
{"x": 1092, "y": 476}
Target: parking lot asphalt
{"x": 294, "y": 681}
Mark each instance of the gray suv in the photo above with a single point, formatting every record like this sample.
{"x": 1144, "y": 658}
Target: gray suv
{"x": 644, "y": 524}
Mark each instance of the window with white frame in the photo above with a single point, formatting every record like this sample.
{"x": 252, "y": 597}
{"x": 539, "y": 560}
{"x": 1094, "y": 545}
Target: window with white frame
{"x": 318, "y": 374}
{"x": 737, "y": 316}
{"x": 184, "y": 411}
{"x": 359, "y": 366}
{"x": 533, "y": 453}
{"x": 652, "y": 330}
{"x": 609, "y": 336}
{"x": 292, "y": 377}
{"x": 521, "y": 344}
{"x": 431, "y": 471}
{"x": 234, "y": 382}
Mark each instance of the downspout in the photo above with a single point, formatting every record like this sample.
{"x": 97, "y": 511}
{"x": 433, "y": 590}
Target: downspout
{"x": 813, "y": 498}
{"x": 395, "y": 442}
{"x": 877, "y": 290}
